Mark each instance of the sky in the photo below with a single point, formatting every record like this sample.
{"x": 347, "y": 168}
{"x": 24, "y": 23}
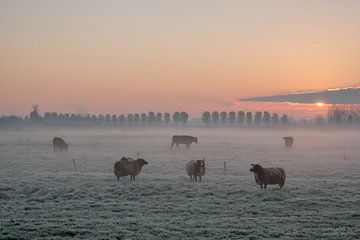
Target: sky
{"x": 139, "y": 56}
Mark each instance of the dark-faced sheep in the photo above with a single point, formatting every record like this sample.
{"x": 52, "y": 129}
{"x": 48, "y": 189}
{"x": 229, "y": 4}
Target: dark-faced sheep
{"x": 128, "y": 166}
{"x": 289, "y": 141}
{"x": 195, "y": 169}
{"x": 59, "y": 144}
{"x": 268, "y": 176}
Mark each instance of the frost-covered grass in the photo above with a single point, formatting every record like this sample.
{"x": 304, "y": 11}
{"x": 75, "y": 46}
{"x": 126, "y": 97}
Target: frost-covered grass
{"x": 43, "y": 197}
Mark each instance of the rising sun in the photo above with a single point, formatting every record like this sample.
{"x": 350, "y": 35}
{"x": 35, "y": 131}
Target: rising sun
{"x": 320, "y": 104}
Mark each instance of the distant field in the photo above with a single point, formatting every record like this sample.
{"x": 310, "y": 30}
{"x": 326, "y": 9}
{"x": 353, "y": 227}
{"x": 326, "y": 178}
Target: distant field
{"x": 43, "y": 197}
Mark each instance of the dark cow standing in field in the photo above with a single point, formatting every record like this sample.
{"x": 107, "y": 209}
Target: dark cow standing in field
{"x": 128, "y": 166}
{"x": 59, "y": 144}
{"x": 195, "y": 168}
{"x": 289, "y": 141}
{"x": 186, "y": 140}
{"x": 268, "y": 176}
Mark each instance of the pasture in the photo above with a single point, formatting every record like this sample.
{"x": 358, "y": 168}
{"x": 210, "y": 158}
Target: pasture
{"x": 42, "y": 196}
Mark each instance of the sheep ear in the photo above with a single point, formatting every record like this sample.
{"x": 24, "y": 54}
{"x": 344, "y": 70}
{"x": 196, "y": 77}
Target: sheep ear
{"x": 252, "y": 164}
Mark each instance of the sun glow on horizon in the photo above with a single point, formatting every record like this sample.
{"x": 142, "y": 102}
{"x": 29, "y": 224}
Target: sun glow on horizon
{"x": 320, "y": 104}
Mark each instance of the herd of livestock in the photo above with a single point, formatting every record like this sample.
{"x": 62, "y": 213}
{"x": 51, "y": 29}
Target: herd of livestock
{"x": 194, "y": 168}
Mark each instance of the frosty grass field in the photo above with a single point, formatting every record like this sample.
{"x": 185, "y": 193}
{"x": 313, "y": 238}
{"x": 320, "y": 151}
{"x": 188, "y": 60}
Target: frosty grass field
{"x": 43, "y": 197}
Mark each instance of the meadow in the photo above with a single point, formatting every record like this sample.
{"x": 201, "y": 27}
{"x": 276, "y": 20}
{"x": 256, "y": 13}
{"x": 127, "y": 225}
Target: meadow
{"x": 43, "y": 195}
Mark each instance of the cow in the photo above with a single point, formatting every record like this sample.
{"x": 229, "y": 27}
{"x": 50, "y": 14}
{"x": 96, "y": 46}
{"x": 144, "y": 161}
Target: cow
{"x": 195, "y": 169}
{"x": 183, "y": 139}
{"x": 128, "y": 166}
{"x": 268, "y": 176}
{"x": 289, "y": 141}
{"x": 59, "y": 144}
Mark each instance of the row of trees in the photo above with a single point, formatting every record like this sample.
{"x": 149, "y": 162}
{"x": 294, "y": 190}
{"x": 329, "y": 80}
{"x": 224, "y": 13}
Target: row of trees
{"x": 131, "y": 118}
{"x": 344, "y": 114}
{"x": 242, "y": 117}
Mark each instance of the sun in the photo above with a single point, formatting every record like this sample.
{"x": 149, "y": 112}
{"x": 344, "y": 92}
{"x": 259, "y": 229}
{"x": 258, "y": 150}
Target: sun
{"x": 320, "y": 104}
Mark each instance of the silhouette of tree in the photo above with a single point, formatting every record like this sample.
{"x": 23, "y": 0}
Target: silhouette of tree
{"x": 107, "y": 118}
{"x": 206, "y": 118}
{"x": 67, "y": 116}
{"x": 167, "y": 118}
{"x": 215, "y": 117}
{"x": 241, "y": 117}
{"x": 136, "y": 118}
{"x": 176, "y": 117}
{"x": 249, "y": 118}
{"x": 151, "y": 117}
{"x": 114, "y": 118}
{"x": 275, "y": 118}
{"x": 54, "y": 116}
{"x": 130, "y": 118}
{"x": 47, "y": 116}
{"x": 284, "y": 119}
{"x": 223, "y": 117}
{"x": 94, "y": 118}
{"x": 34, "y": 114}
{"x": 266, "y": 118}
{"x": 337, "y": 114}
{"x": 61, "y": 117}
{"x": 143, "y": 118}
{"x": 232, "y": 117}
{"x": 159, "y": 117}
{"x": 73, "y": 117}
{"x": 257, "y": 118}
{"x": 122, "y": 118}
{"x": 184, "y": 117}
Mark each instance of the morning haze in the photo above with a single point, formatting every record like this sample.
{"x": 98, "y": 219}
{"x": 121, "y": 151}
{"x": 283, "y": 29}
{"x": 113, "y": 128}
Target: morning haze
{"x": 179, "y": 119}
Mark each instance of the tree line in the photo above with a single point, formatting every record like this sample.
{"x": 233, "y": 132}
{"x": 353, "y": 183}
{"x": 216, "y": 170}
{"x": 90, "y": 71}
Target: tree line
{"x": 342, "y": 114}
{"x": 130, "y": 118}
{"x": 241, "y": 117}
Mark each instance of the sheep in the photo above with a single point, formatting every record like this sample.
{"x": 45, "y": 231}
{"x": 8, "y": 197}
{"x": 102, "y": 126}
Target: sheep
{"x": 128, "y": 166}
{"x": 195, "y": 168}
{"x": 265, "y": 176}
{"x": 59, "y": 144}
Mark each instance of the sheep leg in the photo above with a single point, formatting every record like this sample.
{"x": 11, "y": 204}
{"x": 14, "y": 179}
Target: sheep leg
{"x": 172, "y": 144}
{"x": 199, "y": 178}
{"x": 187, "y": 146}
{"x": 177, "y": 145}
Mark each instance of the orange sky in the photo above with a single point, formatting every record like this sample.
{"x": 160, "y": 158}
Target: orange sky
{"x": 135, "y": 56}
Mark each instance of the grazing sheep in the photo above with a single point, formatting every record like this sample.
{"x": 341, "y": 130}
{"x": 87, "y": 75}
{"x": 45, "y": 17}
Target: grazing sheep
{"x": 186, "y": 140}
{"x": 265, "y": 176}
{"x": 128, "y": 166}
{"x": 195, "y": 168}
{"x": 59, "y": 144}
{"x": 289, "y": 141}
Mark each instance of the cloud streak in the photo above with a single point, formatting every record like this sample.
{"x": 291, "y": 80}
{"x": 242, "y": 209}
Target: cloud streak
{"x": 349, "y": 95}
